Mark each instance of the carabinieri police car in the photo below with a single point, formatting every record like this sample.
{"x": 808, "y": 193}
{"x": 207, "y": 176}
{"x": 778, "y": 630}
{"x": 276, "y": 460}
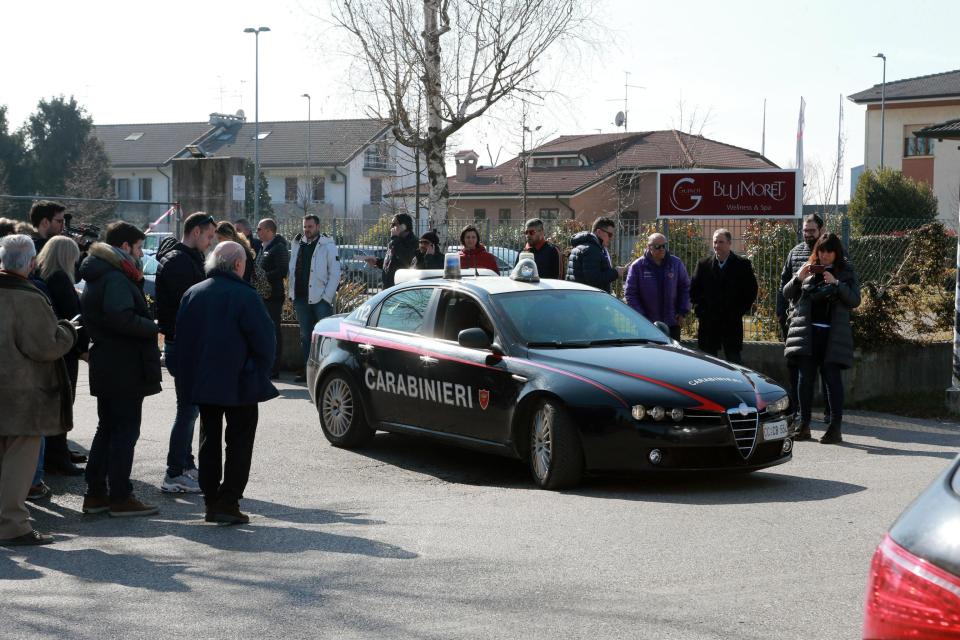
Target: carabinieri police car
{"x": 557, "y": 373}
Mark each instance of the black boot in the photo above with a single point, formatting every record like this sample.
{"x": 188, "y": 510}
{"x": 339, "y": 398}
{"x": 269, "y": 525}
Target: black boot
{"x": 833, "y": 435}
{"x": 804, "y": 432}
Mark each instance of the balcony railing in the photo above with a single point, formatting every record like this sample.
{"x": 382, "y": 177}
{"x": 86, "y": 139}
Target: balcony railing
{"x": 373, "y": 161}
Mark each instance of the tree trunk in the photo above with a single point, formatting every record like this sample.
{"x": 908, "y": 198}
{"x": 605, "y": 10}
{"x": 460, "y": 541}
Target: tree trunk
{"x": 436, "y": 140}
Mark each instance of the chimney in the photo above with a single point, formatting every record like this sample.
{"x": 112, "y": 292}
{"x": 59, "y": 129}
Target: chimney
{"x": 466, "y": 165}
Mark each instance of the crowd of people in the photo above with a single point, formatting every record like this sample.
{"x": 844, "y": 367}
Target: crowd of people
{"x": 220, "y": 293}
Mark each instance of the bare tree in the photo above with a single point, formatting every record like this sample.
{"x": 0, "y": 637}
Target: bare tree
{"x": 494, "y": 48}
{"x": 89, "y": 177}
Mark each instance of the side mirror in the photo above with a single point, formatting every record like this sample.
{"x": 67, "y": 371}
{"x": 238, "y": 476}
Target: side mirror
{"x": 664, "y": 329}
{"x": 475, "y": 338}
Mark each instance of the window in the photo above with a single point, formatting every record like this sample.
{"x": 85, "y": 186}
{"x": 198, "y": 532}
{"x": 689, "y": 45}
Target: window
{"x": 261, "y": 136}
{"x": 479, "y": 214}
{"x": 123, "y": 188}
{"x": 405, "y": 311}
{"x": 290, "y": 189}
{"x": 146, "y": 188}
{"x": 917, "y": 147}
{"x": 376, "y": 190}
{"x": 133, "y": 137}
{"x": 543, "y": 162}
{"x": 549, "y": 214}
{"x": 319, "y": 189}
{"x": 505, "y": 215}
{"x": 457, "y": 312}
{"x": 568, "y": 162}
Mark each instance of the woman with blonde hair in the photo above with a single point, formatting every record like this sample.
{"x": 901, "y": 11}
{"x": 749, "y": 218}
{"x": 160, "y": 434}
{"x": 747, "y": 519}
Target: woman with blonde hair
{"x": 57, "y": 266}
{"x": 226, "y": 231}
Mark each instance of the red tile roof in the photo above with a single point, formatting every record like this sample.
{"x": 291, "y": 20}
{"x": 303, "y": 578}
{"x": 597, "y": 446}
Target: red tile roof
{"x": 648, "y": 151}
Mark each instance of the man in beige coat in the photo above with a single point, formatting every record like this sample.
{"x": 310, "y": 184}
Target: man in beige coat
{"x": 35, "y": 390}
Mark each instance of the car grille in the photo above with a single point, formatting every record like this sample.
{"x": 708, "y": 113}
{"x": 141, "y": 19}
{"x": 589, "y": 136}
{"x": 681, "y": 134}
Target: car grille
{"x": 744, "y": 431}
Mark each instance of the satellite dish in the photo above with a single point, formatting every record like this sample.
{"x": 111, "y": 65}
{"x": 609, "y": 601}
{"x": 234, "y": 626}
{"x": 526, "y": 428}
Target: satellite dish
{"x": 241, "y": 114}
{"x": 620, "y": 118}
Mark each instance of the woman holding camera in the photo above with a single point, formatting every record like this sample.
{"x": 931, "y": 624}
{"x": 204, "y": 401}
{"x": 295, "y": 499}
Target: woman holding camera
{"x": 820, "y": 336}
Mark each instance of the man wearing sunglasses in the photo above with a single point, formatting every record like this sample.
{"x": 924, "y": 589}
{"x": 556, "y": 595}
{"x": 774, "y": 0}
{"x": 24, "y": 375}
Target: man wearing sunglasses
{"x": 658, "y": 285}
{"x": 180, "y": 267}
{"x": 545, "y": 254}
{"x": 590, "y": 261}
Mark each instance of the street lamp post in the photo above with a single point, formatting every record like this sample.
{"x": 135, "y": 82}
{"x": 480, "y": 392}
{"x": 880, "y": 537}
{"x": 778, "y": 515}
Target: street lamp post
{"x": 256, "y": 114}
{"x": 883, "y": 105}
{"x": 309, "y": 176}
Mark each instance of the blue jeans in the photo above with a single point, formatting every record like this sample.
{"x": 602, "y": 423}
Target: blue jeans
{"x": 111, "y": 454}
{"x": 308, "y": 315}
{"x": 180, "y": 453}
{"x": 38, "y": 474}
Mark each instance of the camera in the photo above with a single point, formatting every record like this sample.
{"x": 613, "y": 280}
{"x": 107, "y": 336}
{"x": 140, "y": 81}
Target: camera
{"x": 83, "y": 234}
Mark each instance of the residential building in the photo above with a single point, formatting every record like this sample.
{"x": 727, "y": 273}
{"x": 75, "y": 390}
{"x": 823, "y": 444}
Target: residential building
{"x": 351, "y": 163}
{"x": 909, "y": 106}
{"x": 584, "y": 176}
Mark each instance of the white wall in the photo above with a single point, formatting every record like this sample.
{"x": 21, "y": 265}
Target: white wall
{"x": 160, "y": 182}
{"x": 946, "y": 181}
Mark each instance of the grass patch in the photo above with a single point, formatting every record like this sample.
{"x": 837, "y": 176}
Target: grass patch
{"x": 926, "y": 404}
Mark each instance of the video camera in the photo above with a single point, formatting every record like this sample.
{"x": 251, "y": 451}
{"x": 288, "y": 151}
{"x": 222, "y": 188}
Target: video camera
{"x": 83, "y": 234}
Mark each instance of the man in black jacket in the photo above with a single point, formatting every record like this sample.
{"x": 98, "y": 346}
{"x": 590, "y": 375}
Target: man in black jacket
{"x": 428, "y": 254}
{"x": 589, "y": 261}
{"x": 48, "y": 218}
{"x": 722, "y": 291}
{"x": 400, "y": 251}
{"x": 545, "y": 254}
{"x": 181, "y": 267}
{"x": 124, "y": 366}
{"x": 274, "y": 259}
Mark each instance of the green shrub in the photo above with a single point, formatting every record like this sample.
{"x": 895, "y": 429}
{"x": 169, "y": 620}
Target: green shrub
{"x": 886, "y": 200}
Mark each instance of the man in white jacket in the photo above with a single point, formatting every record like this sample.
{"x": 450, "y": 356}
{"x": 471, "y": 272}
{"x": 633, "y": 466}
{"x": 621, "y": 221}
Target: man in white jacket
{"x": 312, "y": 281}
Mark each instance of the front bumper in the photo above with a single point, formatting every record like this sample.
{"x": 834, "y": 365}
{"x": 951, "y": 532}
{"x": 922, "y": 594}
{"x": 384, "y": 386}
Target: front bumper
{"x": 708, "y": 445}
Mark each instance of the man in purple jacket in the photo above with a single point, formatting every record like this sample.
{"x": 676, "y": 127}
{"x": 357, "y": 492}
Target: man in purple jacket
{"x": 658, "y": 285}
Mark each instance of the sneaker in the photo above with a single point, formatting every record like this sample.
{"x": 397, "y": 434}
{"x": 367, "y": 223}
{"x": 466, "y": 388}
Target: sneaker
{"x": 28, "y": 539}
{"x": 183, "y": 483}
{"x": 193, "y": 473}
{"x": 95, "y": 504}
{"x": 226, "y": 514}
{"x": 38, "y": 492}
{"x": 131, "y": 508}
{"x": 832, "y": 436}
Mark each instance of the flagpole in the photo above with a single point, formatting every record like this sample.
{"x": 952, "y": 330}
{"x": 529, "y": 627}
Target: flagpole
{"x": 839, "y": 155}
{"x": 763, "y": 136}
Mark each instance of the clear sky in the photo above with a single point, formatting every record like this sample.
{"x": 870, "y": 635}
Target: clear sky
{"x": 177, "y": 61}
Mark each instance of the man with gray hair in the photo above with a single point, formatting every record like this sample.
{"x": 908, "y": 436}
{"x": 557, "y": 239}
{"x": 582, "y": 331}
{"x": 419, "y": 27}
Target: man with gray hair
{"x": 227, "y": 351}
{"x": 35, "y": 390}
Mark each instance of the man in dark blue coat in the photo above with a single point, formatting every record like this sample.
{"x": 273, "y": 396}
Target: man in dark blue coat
{"x": 589, "y": 261}
{"x": 226, "y": 356}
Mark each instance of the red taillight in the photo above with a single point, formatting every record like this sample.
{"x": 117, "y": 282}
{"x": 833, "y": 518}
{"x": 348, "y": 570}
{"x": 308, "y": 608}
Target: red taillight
{"x": 907, "y": 597}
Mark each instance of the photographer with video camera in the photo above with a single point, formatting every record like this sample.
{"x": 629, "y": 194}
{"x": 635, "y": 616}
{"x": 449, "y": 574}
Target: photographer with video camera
{"x": 820, "y": 336}
{"x": 48, "y": 218}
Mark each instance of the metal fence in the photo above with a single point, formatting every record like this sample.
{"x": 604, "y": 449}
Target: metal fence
{"x": 876, "y": 249}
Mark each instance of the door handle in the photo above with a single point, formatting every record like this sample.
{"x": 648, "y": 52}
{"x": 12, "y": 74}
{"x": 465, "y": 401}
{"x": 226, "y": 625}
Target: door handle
{"x": 365, "y": 349}
{"x": 428, "y": 361}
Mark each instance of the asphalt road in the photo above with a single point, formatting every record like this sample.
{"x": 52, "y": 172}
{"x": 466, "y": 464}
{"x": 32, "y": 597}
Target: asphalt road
{"x": 415, "y": 540}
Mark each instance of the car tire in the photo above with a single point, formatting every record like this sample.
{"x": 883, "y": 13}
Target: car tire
{"x": 556, "y": 455}
{"x": 341, "y": 416}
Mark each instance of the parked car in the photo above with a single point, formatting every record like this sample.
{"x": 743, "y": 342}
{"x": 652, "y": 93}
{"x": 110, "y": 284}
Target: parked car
{"x": 553, "y": 372}
{"x": 152, "y": 242}
{"x": 913, "y": 590}
{"x": 353, "y": 267}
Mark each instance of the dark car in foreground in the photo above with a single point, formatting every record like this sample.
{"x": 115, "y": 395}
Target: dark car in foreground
{"x": 913, "y": 590}
{"x": 553, "y": 372}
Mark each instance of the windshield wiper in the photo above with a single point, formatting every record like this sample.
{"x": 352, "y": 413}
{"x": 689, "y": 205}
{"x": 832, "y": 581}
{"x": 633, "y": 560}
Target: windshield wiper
{"x": 557, "y": 344}
{"x": 594, "y": 343}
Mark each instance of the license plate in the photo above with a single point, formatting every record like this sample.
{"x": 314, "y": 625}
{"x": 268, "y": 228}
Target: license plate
{"x": 776, "y": 430}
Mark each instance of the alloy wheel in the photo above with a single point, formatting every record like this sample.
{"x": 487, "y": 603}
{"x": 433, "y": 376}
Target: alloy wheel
{"x": 337, "y": 407}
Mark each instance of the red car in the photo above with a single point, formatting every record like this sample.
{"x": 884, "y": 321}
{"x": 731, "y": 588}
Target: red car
{"x": 913, "y": 589}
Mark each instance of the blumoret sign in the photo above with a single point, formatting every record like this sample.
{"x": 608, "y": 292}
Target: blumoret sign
{"x": 774, "y": 193}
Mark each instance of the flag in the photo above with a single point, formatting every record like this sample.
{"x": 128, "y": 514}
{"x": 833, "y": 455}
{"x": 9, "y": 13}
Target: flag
{"x": 803, "y": 104}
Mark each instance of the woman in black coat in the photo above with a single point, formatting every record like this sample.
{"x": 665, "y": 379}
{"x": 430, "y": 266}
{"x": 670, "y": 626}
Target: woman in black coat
{"x": 820, "y": 335}
{"x": 57, "y": 265}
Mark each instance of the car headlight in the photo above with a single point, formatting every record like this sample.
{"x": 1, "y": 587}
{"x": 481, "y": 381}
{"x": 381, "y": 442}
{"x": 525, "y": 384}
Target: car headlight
{"x": 639, "y": 412}
{"x": 779, "y": 406}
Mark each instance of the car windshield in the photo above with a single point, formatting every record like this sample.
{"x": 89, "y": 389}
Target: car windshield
{"x": 573, "y": 318}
